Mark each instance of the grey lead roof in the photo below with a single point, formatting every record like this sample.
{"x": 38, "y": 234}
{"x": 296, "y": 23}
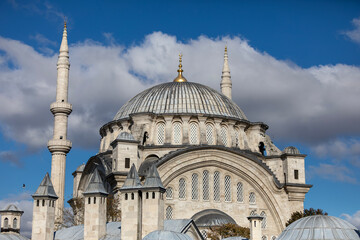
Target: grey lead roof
{"x": 11, "y": 208}
{"x": 96, "y": 184}
{"x": 211, "y": 217}
{"x": 166, "y": 235}
{"x": 12, "y": 236}
{"x": 132, "y": 180}
{"x": 46, "y": 188}
{"x": 181, "y": 98}
{"x": 153, "y": 179}
{"x": 320, "y": 227}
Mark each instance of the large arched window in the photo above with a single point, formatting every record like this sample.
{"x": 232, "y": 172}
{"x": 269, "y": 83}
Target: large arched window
{"x": 15, "y": 223}
{"x": 160, "y": 133}
{"x": 169, "y": 193}
{"x": 209, "y": 134}
{"x": 194, "y": 186}
{"x": 169, "y": 213}
{"x": 193, "y": 133}
{"x": 216, "y": 186}
{"x": 206, "y": 187}
{"x": 223, "y": 135}
{"x": 177, "y": 135}
{"x": 227, "y": 188}
{"x": 6, "y": 223}
{"x": 264, "y": 221}
{"x": 239, "y": 192}
{"x": 252, "y": 198}
{"x": 182, "y": 188}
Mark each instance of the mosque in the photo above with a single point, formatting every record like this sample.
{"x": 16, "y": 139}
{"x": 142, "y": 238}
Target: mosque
{"x": 177, "y": 159}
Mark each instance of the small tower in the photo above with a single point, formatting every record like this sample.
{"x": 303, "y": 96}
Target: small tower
{"x": 59, "y": 146}
{"x": 153, "y": 203}
{"x": 44, "y": 210}
{"x": 255, "y": 227}
{"x": 11, "y": 219}
{"x": 95, "y": 208}
{"x": 131, "y": 209}
{"x": 226, "y": 84}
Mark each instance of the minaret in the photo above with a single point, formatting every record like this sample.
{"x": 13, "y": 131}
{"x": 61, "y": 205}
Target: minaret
{"x": 59, "y": 146}
{"x": 226, "y": 83}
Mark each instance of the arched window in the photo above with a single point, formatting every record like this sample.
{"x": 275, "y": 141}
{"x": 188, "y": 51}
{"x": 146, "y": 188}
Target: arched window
{"x": 6, "y": 223}
{"x": 223, "y": 135}
{"x": 15, "y": 223}
{"x": 177, "y": 136}
{"x": 169, "y": 213}
{"x": 264, "y": 221}
{"x": 204, "y": 234}
{"x": 216, "y": 186}
{"x": 194, "y": 186}
{"x": 264, "y": 238}
{"x": 206, "y": 188}
{"x": 182, "y": 188}
{"x": 169, "y": 193}
{"x": 252, "y": 198}
{"x": 126, "y": 196}
{"x": 239, "y": 192}
{"x": 193, "y": 133}
{"x": 237, "y": 138}
{"x": 132, "y": 196}
{"x": 160, "y": 133}
{"x": 273, "y": 238}
{"x": 209, "y": 134}
{"x": 227, "y": 188}
{"x": 253, "y": 213}
{"x": 94, "y": 200}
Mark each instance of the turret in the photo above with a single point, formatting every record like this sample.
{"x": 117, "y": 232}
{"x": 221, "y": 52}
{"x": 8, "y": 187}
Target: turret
{"x": 255, "y": 227}
{"x": 131, "y": 206}
{"x": 226, "y": 84}
{"x": 95, "y": 208}
{"x": 44, "y": 210}
{"x": 11, "y": 219}
{"x": 125, "y": 152}
{"x": 59, "y": 145}
{"x": 153, "y": 203}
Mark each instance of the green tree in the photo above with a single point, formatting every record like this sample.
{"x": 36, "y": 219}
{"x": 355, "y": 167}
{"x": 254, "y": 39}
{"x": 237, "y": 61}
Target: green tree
{"x": 228, "y": 230}
{"x": 307, "y": 212}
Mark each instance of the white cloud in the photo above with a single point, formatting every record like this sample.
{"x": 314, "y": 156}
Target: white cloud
{"x": 10, "y": 157}
{"x": 353, "y": 219}
{"x": 25, "y": 203}
{"x": 308, "y": 105}
{"x": 336, "y": 173}
{"x": 354, "y": 34}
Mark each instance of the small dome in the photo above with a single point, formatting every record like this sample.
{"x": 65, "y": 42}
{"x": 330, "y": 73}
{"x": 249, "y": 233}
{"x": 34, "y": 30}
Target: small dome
{"x": 212, "y": 217}
{"x": 125, "y": 136}
{"x": 291, "y": 150}
{"x": 320, "y": 227}
{"x": 235, "y": 238}
{"x": 166, "y": 235}
{"x": 12, "y": 207}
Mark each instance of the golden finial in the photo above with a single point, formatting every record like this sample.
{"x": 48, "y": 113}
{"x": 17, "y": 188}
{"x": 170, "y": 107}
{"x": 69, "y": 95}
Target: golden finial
{"x": 180, "y": 77}
{"x": 226, "y": 48}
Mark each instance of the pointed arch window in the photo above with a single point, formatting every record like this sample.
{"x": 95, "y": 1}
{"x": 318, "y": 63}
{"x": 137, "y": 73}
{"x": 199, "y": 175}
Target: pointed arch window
{"x": 194, "y": 186}
{"x": 223, "y": 135}
{"x": 169, "y": 213}
{"x": 169, "y": 193}
{"x": 193, "y": 133}
{"x": 177, "y": 134}
{"x": 209, "y": 134}
{"x": 227, "y": 188}
{"x": 160, "y": 133}
{"x": 239, "y": 192}
{"x": 6, "y": 223}
{"x": 264, "y": 221}
{"x": 206, "y": 187}
{"x": 216, "y": 186}
{"x": 15, "y": 223}
{"x": 182, "y": 188}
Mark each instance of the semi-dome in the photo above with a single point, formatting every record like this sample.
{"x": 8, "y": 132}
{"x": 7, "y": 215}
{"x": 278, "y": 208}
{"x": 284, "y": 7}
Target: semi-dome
{"x": 181, "y": 98}
{"x": 291, "y": 150}
{"x": 320, "y": 227}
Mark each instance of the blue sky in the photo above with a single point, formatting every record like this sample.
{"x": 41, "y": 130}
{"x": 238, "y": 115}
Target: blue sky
{"x": 295, "y": 65}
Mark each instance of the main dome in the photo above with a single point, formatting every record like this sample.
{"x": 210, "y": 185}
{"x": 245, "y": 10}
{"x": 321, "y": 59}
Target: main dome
{"x": 181, "y": 98}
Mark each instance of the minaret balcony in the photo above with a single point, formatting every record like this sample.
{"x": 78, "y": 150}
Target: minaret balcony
{"x": 61, "y": 107}
{"x": 59, "y": 145}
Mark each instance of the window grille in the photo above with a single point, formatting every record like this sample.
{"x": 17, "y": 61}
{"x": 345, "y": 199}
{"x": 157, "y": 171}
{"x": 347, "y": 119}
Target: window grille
{"x": 223, "y": 134}
{"x": 6, "y": 223}
{"x": 264, "y": 222}
{"x": 253, "y": 213}
{"x": 161, "y": 133}
{"x": 239, "y": 192}
{"x": 204, "y": 234}
{"x": 15, "y": 223}
{"x": 217, "y": 186}
{"x": 169, "y": 193}
{"x": 206, "y": 187}
{"x": 182, "y": 188}
{"x": 264, "y": 238}
{"x": 169, "y": 213}
{"x": 209, "y": 134}
{"x": 193, "y": 136}
{"x": 252, "y": 198}
{"x": 194, "y": 186}
{"x": 237, "y": 137}
{"x": 227, "y": 188}
{"x": 177, "y": 133}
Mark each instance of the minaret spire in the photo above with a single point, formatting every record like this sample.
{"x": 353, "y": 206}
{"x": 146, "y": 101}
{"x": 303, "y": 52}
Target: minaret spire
{"x": 226, "y": 84}
{"x": 59, "y": 145}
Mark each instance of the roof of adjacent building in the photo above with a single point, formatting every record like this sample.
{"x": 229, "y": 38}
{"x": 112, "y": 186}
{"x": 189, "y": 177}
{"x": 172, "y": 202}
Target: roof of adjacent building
{"x": 181, "y": 98}
{"x": 12, "y": 236}
{"x": 320, "y": 227}
{"x": 96, "y": 184}
{"x": 46, "y": 188}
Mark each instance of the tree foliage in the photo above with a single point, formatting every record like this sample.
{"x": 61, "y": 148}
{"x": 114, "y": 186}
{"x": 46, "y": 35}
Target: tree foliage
{"x": 307, "y": 212}
{"x": 228, "y": 230}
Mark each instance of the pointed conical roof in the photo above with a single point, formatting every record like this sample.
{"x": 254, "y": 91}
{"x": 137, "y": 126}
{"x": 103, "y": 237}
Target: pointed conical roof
{"x": 96, "y": 185}
{"x": 46, "y": 188}
{"x": 153, "y": 179}
{"x": 132, "y": 180}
